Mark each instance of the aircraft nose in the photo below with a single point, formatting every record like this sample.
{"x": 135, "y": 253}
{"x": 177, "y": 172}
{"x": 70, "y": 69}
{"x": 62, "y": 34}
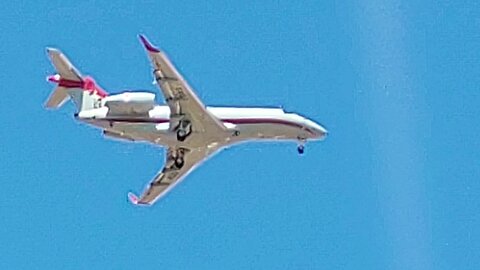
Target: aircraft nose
{"x": 319, "y": 132}
{"x": 322, "y": 132}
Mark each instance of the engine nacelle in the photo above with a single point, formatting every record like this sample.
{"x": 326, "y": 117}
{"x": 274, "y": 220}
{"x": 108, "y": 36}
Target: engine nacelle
{"x": 130, "y": 103}
{"x": 131, "y": 97}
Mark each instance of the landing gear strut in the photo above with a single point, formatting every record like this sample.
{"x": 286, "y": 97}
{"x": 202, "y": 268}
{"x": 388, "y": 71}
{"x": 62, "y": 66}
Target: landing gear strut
{"x": 183, "y": 130}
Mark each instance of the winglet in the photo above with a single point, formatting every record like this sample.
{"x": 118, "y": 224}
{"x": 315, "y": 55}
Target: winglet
{"x": 148, "y": 46}
{"x": 52, "y": 50}
{"x": 132, "y": 198}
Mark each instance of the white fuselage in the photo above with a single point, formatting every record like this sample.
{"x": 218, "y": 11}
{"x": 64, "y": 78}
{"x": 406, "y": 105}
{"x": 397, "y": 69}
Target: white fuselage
{"x": 243, "y": 124}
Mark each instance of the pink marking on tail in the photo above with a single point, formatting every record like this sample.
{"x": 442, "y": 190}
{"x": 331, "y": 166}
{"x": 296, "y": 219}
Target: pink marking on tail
{"x": 87, "y": 84}
{"x": 70, "y": 83}
{"x": 90, "y": 85}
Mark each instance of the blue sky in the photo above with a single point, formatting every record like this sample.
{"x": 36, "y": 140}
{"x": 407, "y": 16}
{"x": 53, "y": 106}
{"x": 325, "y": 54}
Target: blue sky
{"x": 395, "y": 185}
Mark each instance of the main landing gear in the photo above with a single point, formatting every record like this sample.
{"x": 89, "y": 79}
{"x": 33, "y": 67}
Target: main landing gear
{"x": 183, "y": 130}
{"x": 179, "y": 162}
{"x": 178, "y": 158}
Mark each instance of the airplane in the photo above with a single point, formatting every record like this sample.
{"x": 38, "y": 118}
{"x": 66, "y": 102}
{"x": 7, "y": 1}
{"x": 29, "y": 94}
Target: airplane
{"x": 190, "y": 131}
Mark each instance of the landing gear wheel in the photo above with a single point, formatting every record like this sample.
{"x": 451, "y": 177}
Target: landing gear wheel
{"x": 183, "y": 130}
{"x": 301, "y": 149}
{"x": 181, "y": 135}
{"x": 179, "y": 163}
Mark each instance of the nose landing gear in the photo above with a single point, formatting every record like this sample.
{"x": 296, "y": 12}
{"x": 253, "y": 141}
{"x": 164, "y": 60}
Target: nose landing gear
{"x": 301, "y": 149}
{"x": 301, "y": 146}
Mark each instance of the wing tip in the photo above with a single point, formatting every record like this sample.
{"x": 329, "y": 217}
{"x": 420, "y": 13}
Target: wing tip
{"x": 135, "y": 201}
{"x": 148, "y": 46}
{"x": 52, "y": 51}
{"x": 133, "y": 198}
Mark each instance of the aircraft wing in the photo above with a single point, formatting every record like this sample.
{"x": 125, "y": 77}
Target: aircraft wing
{"x": 172, "y": 173}
{"x": 180, "y": 97}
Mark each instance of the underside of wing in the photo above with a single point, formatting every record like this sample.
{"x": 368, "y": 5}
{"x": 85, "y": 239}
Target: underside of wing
{"x": 183, "y": 102}
{"x": 179, "y": 162}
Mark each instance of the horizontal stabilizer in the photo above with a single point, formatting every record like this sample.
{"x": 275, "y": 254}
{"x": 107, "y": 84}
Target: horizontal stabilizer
{"x": 58, "y": 97}
{"x": 63, "y": 66}
{"x": 84, "y": 91}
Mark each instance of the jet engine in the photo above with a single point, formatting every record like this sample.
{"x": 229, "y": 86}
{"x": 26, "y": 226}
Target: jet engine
{"x": 130, "y": 103}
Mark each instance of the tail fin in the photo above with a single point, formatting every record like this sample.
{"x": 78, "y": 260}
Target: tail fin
{"x": 71, "y": 84}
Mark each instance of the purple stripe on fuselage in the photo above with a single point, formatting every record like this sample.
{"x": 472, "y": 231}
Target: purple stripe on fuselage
{"x": 136, "y": 120}
{"x": 261, "y": 121}
{"x": 227, "y": 120}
